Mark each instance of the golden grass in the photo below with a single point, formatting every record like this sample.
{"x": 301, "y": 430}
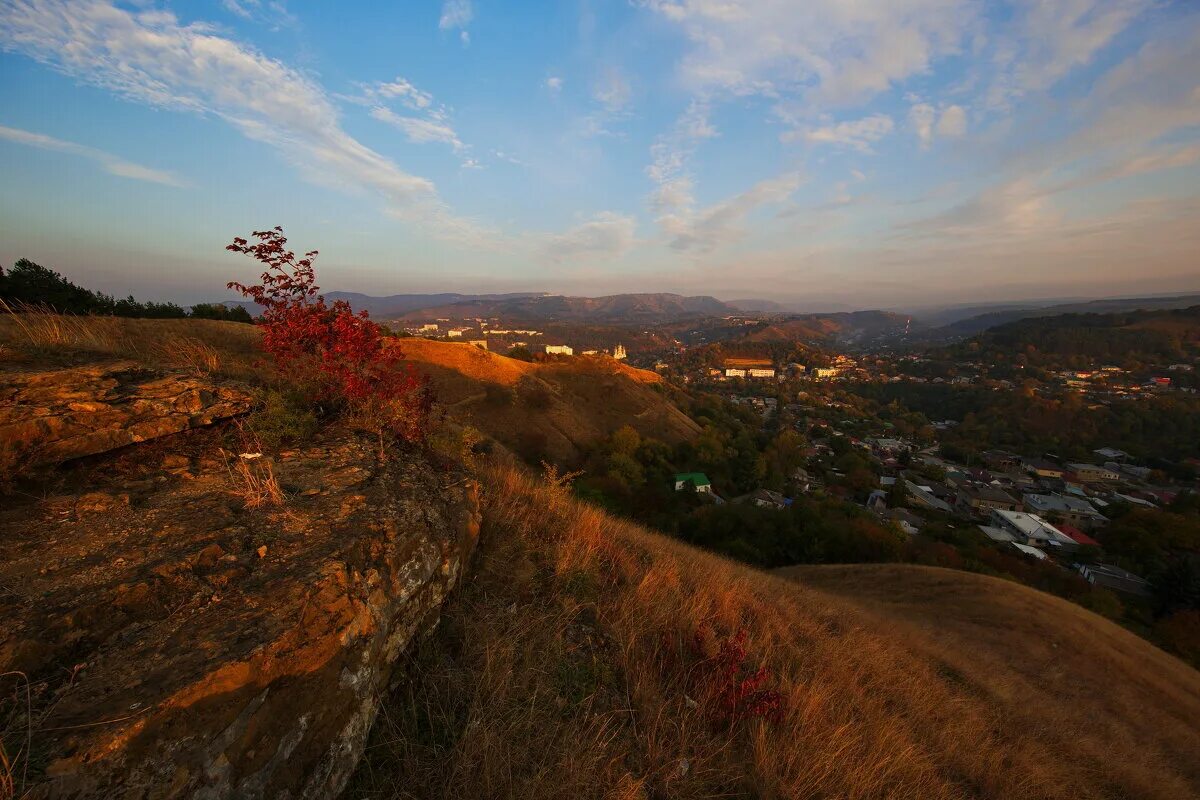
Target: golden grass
{"x": 229, "y": 349}
{"x": 555, "y": 674}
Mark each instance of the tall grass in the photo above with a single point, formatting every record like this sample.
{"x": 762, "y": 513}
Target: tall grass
{"x": 562, "y": 670}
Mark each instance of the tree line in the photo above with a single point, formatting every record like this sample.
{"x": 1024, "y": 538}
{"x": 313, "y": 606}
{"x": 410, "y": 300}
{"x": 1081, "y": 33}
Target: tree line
{"x": 29, "y": 285}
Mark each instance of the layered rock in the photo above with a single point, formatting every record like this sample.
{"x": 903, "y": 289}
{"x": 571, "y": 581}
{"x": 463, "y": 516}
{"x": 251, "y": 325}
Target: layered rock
{"x": 181, "y": 644}
{"x": 53, "y": 415}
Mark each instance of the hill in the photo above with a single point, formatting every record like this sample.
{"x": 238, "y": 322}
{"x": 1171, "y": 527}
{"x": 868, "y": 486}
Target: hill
{"x": 396, "y": 305}
{"x": 1122, "y": 338}
{"x": 852, "y": 327}
{"x": 993, "y": 318}
{"x": 613, "y": 309}
{"x": 588, "y": 657}
{"x": 550, "y": 410}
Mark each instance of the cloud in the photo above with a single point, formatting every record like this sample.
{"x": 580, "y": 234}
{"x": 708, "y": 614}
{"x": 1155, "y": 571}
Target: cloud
{"x": 722, "y": 224}
{"x": 456, "y": 15}
{"x": 113, "y": 165}
{"x": 149, "y": 57}
{"x": 554, "y": 84}
{"x": 829, "y": 51}
{"x": 953, "y": 121}
{"x": 857, "y": 134}
{"x": 612, "y": 91}
{"x": 921, "y": 117}
{"x": 1049, "y": 39}
{"x": 410, "y": 95}
{"x": 418, "y": 131}
{"x": 607, "y": 235}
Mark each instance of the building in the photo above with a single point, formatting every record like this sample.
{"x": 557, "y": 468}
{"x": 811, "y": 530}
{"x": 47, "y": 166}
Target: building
{"x": 1001, "y": 460}
{"x": 1075, "y": 510}
{"x": 456, "y": 333}
{"x": 1079, "y": 536}
{"x": 982, "y": 499}
{"x": 1093, "y": 473}
{"x": 619, "y": 352}
{"x": 922, "y": 496}
{"x": 1030, "y": 529}
{"x": 825, "y": 372}
{"x": 1115, "y": 578}
{"x": 734, "y": 372}
{"x": 559, "y": 349}
{"x": 429, "y": 327}
{"x": 755, "y": 372}
{"x": 1044, "y": 469}
{"x": 764, "y": 498}
{"x": 697, "y": 481}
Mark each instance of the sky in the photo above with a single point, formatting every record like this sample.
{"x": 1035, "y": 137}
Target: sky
{"x": 875, "y": 153}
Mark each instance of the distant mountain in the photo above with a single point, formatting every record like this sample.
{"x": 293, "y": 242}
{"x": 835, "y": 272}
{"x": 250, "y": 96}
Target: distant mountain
{"x": 397, "y": 305}
{"x": 991, "y": 319}
{"x": 844, "y": 327}
{"x": 613, "y": 309}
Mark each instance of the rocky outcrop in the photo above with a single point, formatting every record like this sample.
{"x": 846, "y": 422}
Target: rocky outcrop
{"x": 49, "y": 416}
{"x": 182, "y": 644}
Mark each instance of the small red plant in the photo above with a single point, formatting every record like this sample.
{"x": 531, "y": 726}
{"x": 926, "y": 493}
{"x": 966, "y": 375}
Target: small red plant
{"x": 341, "y": 358}
{"x": 729, "y": 688}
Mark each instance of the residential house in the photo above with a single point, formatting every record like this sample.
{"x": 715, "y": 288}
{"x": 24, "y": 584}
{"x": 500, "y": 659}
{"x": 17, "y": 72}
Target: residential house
{"x": 922, "y": 496}
{"x": 1001, "y": 460}
{"x": 697, "y": 481}
{"x": 909, "y": 522}
{"x": 1093, "y": 473}
{"x": 1076, "y": 510}
{"x": 1115, "y": 578}
{"x": 1042, "y": 468}
{"x": 1030, "y": 529}
{"x": 764, "y": 498}
{"x": 1079, "y": 536}
{"x": 982, "y": 499}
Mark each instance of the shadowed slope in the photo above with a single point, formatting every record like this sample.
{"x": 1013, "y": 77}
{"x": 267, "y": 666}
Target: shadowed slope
{"x": 567, "y": 669}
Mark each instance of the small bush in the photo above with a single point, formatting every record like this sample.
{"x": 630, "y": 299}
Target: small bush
{"x": 282, "y": 418}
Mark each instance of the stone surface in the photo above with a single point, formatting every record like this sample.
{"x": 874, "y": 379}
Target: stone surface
{"x": 54, "y": 415}
{"x": 180, "y": 644}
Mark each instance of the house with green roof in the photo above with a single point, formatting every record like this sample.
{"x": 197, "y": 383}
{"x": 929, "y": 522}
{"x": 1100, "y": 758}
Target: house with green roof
{"x": 698, "y": 481}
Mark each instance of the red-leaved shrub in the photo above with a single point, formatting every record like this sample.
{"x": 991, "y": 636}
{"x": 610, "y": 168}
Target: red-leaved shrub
{"x": 729, "y": 688}
{"x": 340, "y": 359}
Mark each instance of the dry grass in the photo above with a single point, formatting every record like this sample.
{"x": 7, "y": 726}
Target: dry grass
{"x": 252, "y": 477}
{"x": 229, "y": 349}
{"x": 560, "y": 672}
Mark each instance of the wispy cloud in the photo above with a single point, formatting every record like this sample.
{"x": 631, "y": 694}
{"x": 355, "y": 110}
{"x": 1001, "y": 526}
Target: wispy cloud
{"x": 457, "y": 15}
{"x": 114, "y": 165}
{"x": 606, "y": 236}
{"x": 857, "y": 134}
{"x": 722, "y": 224}
{"x": 150, "y": 57}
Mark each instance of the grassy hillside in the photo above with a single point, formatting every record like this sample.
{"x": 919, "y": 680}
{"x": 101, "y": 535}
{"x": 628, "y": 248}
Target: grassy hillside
{"x": 541, "y": 411}
{"x": 547, "y": 410}
{"x": 583, "y": 659}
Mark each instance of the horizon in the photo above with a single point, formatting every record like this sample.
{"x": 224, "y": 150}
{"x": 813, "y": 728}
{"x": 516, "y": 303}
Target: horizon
{"x": 936, "y": 154}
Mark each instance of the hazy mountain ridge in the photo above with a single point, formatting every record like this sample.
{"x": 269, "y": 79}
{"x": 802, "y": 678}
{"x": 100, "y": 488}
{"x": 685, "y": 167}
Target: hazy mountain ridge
{"x": 982, "y": 322}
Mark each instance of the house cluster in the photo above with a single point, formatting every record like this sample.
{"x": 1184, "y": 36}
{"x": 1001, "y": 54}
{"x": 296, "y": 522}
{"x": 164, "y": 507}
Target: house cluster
{"x": 1039, "y": 506}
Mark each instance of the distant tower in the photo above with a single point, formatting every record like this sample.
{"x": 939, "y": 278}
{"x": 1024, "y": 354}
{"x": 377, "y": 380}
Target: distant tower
{"x": 619, "y": 352}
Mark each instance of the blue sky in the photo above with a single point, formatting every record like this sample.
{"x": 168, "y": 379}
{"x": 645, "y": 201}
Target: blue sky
{"x": 872, "y": 154}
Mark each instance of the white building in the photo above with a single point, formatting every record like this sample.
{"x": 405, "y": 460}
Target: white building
{"x": 761, "y": 373}
{"x": 619, "y": 352}
{"x": 429, "y": 327}
{"x": 733, "y": 372}
{"x": 559, "y": 349}
{"x": 456, "y": 333}
{"x": 1030, "y": 529}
